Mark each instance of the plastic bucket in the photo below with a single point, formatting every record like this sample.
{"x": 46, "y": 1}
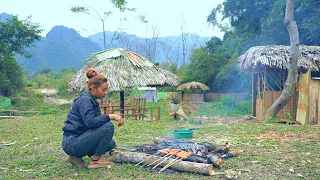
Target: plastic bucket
{"x": 183, "y": 133}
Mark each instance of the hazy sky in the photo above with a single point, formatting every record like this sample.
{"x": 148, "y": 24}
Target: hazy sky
{"x": 166, "y": 15}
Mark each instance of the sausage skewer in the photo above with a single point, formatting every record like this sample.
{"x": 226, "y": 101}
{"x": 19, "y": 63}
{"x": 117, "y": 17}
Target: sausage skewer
{"x": 180, "y": 156}
{"x": 172, "y": 153}
{"x": 168, "y": 153}
{"x": 166, "y": 156}
{"x": 147, "y": 158}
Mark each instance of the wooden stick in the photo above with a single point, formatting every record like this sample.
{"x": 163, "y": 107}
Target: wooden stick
{"x": 146, "y": 159}
{"x": 159, "y": 159}
{"x": 183, "y": 166}
{"x": 169, "y": 164}
{"x": 160, "y": 162}
{"x": 180, "y": 156}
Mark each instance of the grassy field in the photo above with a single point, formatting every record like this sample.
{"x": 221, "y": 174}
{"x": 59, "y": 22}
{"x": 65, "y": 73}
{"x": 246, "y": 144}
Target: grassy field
{"x": 31, "y": 149}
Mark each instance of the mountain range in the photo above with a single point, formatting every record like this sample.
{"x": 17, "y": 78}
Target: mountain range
{"x": 63, "y": 47}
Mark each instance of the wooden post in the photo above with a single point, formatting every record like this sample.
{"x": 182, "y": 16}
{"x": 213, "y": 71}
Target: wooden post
{"x": 264, "y": 81}
{"x": 151, "y": 113}
{"x": 122, "y": 103}
{"x": 252, "y": 96}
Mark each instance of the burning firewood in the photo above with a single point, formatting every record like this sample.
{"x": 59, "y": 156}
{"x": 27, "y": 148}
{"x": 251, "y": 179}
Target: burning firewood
{"x": 167, "y": 153}
{"x": 171, "y": 152}
{"x": 199, "y": 149}
{"x": 180, "y": 156}
{"x": 210, "y": 153}
{"x": 183, "y": 166}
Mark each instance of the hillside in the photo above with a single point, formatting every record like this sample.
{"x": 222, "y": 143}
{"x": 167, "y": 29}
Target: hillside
{"x": 64, "y": 48}
{"x": 156, "y": 49}
{"x": 61, "y": 48}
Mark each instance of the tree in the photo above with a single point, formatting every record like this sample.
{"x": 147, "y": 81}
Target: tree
{"x": 16, "y": 35}
{"x": 150, "y": 44}
{"x": 121, "y": 4}
{"x": 102, "y": 18}
{"x": 184, "y": 37}
{"x": 260, "y": 22}
{"x": 12, "y": 79}
{"x": 291, "y": 82}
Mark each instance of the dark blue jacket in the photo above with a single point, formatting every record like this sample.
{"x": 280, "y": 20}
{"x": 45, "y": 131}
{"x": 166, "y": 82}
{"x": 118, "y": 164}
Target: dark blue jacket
{"x": 85, "y": 114}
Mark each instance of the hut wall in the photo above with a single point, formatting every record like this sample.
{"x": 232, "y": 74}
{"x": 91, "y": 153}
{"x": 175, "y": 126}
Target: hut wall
{"x": 262, "y": 105}
{"x": 314, "y": 98}
{"x": 208, "y": 97}
{"x": 260, "y": 109}
{"x": 193, "y": 97}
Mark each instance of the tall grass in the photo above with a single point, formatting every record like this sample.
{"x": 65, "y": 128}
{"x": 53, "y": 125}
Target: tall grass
{"x": 228, "y": 105}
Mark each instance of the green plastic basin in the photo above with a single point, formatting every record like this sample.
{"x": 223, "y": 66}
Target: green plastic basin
{"x": 183, "y": 133}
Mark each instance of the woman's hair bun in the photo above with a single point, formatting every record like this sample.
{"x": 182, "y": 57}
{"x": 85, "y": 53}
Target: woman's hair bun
{"x": 91, "y": 73}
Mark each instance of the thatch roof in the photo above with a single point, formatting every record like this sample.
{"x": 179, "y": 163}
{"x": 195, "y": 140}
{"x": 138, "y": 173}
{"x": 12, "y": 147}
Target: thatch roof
{"x": 278, "y": 57}
{"x": 124, "y": 70}
{"x": 192, "y": 85}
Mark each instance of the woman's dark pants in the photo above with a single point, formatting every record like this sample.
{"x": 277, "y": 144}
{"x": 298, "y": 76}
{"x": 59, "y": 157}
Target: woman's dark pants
{"x": 93, "y": 142}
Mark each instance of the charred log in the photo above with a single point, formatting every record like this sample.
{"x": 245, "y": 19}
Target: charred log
{"x": 183, "y": 166}
{"x": 200, "y": 149}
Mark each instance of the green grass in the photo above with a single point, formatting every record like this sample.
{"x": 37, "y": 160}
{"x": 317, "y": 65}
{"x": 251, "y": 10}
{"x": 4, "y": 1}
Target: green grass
{"x": 223, "y": 108}
{"x": 37, "y": 153}
{"x": 5, "y": 102}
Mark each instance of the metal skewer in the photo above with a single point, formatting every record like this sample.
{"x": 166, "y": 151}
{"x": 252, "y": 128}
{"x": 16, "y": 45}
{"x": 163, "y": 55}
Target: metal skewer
{"x": 147, "y": 158}
{"x": 166, "y": 156}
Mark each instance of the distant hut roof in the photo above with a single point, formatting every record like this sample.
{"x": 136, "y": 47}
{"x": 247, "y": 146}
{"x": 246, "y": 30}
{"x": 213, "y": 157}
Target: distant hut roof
{"x": 278, "y": 57}
{"x": 124, "y": 70}
{"x": 192, "y": 85}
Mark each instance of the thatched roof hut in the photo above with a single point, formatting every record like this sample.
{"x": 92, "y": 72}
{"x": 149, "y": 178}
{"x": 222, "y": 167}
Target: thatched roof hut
{"x": 278, "y": 57}
{"x": 124, "y": 70}
{"x": 269, "y": 65}
{"x": 192, "y": 85}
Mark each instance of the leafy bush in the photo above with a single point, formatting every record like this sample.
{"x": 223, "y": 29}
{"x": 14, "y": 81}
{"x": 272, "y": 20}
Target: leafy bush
{"x": 12, "y": 79}
{"x": 228, "y": 101}
{"x": 5, "y": 102}
{"x": 28, "y": 100}
{"x": 49, "y": 110}
{"x": 162, "y": 95}
{"x": 244, "y": 106}
{"x": 272, "y": 120}
{"x": 62, "y": 86}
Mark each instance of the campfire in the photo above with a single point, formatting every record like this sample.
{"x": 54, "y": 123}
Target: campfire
{"x": 179, "y": 155}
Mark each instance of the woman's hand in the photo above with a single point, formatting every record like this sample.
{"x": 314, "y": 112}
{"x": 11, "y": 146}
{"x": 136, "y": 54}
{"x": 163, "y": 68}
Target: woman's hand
{"x": 120, "y": 121}
{"x": 118, "y": 118}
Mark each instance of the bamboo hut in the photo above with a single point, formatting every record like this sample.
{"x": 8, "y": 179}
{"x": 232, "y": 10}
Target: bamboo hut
{"x": 190, "y": 87}
{"x": 268, "y": 65}
{"x": 125, "y": 70}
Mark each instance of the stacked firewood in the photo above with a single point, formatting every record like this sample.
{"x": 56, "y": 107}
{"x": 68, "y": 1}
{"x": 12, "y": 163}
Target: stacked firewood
{"x": 210, "y": 153}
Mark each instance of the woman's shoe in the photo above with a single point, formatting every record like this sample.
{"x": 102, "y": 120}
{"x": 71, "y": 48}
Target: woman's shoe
{"x": 100, "y": 163}
{"x": 76, "y": 161}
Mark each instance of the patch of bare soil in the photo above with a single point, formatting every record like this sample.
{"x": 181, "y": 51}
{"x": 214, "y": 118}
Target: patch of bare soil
{"x": 50, "y": 96}
{"x": 55, "y": 101}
